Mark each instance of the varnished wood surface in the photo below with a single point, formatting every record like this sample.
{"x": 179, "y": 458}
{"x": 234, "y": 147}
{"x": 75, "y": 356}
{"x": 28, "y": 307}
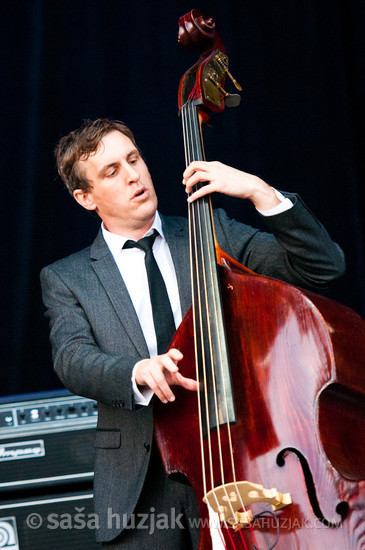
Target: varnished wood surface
{"x": 285, "y": 350}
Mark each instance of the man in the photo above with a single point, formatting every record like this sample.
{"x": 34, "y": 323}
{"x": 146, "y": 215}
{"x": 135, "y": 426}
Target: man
{"x": 102, "y": 326}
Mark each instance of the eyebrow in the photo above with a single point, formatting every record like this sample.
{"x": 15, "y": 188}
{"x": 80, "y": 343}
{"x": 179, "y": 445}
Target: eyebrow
{"x": 106, "y": 167}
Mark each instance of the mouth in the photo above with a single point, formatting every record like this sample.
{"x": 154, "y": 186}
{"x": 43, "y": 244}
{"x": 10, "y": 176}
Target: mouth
{"x": 139, "y": 194}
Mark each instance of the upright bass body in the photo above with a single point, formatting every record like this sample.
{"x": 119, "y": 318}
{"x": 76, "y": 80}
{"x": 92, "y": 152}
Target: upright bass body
{"x": 300, "y": 422}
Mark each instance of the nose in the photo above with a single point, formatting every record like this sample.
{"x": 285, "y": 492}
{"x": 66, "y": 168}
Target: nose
{"x": 132, "y": 174}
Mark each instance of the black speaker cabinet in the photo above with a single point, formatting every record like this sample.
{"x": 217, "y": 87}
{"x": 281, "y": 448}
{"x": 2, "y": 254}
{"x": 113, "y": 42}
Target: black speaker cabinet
{"x": 51, "y": 522}
{"x": 46, "y": 472}
{"x": 46, "y": 442}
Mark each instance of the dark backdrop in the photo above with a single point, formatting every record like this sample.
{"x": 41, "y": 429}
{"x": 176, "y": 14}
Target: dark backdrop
{"x": 300, "y": 126}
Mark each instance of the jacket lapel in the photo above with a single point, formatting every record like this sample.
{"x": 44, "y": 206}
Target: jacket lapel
{"x": 176, "y": 233}
{"x": 108, "y": 273}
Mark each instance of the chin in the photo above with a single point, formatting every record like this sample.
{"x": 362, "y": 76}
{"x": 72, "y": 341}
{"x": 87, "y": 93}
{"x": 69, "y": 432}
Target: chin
{"x": 148, "y": 213}
{"x": 152, "y": 207}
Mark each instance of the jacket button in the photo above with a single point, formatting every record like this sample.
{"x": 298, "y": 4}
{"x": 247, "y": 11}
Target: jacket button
{"x": 147, "y": 446}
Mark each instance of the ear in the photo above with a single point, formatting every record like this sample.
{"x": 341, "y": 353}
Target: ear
{"x": 85, "y": 199}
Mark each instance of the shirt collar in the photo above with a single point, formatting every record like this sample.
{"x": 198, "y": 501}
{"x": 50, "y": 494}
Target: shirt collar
{"x": 116, "y": 242}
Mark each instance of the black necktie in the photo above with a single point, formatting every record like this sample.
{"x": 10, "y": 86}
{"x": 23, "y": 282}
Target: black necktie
{"x": 163, "y": 318}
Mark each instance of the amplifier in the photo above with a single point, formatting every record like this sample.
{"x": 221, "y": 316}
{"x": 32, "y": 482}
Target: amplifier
{"x": 63, "y": 521}
{"x": 46, "y": 442}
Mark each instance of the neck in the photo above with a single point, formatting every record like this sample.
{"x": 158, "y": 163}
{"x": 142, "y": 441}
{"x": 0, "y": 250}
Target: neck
{"x": 130, "y": 232}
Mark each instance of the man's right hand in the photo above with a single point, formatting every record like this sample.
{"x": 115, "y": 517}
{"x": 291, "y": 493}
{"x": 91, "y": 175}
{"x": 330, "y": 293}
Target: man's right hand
{"x": 161, "y": 372}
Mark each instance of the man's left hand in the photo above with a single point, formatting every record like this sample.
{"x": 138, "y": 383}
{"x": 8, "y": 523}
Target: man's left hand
{"x": 220, "y": 178}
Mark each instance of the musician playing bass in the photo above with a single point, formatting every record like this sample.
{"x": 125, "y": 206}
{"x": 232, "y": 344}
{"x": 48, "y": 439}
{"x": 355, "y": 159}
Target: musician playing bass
{"x": 105, "y": 343}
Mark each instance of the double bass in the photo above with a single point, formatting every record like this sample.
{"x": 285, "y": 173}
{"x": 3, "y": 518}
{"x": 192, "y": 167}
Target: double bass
{"x": 273, "y": 441}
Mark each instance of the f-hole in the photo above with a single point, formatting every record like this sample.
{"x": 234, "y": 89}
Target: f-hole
{"x": 342, "y": 508}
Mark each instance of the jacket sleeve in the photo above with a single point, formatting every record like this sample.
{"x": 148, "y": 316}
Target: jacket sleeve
{"x": 83, "y": 367}
{"x": 298, "y": 250}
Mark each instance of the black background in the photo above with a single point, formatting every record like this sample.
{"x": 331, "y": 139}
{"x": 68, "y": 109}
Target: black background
{"x": 300, "y": 127}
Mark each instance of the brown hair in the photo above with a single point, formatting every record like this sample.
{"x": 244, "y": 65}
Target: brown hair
{"x": 80, "y": 144}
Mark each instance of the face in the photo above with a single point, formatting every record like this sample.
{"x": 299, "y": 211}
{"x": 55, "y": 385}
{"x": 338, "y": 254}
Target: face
{"x": 122, "y": 192}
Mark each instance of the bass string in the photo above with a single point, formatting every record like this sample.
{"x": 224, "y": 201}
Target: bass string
{"x": 198, "y": 210}
{"x": 188, "y": 155}
{"x": 207, "y": 265}
{"x": 194, "y": 212}
{"x": 206, "y": 268}
{"x": 205, "y": 216}
{"x": 198, "y": 213}
{"x": 197, "y": 299}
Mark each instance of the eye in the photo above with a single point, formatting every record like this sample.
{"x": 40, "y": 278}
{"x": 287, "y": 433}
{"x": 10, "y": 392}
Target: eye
{"x": 112, "y": 173}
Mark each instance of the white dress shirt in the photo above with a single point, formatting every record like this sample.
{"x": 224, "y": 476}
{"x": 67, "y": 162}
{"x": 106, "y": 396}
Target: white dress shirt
{"x": 130, "y": 262}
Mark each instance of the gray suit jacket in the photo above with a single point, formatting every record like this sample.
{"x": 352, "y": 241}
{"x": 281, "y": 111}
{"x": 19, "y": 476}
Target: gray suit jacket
{"x": 96, "y": 337}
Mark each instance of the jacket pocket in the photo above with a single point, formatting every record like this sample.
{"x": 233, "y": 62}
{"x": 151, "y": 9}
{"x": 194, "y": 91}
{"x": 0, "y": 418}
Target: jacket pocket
{"x": 107, "y": 438}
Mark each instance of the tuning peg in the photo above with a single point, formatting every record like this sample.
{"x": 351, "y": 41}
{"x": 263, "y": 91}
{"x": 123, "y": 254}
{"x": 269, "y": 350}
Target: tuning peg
{"x": 231, "y": 100}
{"x": 223, "y": 61}
{"x": 236, "y": 84}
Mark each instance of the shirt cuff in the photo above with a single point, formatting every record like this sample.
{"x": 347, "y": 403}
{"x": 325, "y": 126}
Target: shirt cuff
{"x": 285, "y": 204}
{"x": 141, "y": 397}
